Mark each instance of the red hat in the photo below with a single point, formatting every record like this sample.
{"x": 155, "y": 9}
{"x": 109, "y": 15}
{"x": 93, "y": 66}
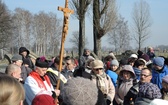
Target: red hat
{"x": 43, "y": 99}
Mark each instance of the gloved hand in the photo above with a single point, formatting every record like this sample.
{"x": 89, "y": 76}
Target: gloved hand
{"x": 108, "y": 102}
{"x": 121, "y": 104}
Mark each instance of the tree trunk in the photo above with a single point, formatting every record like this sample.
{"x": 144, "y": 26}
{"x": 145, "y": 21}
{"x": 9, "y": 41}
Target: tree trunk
{"x": 81, "y": 29}
{"x": 96, "y": 28}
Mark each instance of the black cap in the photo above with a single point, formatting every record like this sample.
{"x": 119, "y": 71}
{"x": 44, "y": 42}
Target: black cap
{"x": 42, "y": 62}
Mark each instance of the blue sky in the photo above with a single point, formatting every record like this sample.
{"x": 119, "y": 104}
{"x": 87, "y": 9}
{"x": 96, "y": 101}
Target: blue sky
{"x": 158, "y": 10}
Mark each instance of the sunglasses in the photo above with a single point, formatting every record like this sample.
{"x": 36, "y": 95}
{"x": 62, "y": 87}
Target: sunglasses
{"x": 98, "y": 69}
{"x": 145, "y": 75}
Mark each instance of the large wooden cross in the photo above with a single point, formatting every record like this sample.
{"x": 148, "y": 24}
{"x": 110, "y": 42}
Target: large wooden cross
{"x": 67, "y": 13}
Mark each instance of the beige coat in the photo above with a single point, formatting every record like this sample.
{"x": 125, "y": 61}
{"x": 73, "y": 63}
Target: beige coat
{"x": 110, "y": 87}
{"x": 124, "y": 87}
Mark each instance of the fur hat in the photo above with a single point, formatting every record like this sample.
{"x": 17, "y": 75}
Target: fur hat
{"x": 127, "y": 68}
{"x": 80, "y": 91}
{"x": 97, "y": 64}
{"x": 22, "y": 49}
{"x": 114, "y": 62}
{"x": 42, "y": 62}
{"x": 159, "y": 61}
{"x": 16, "y": 57}
{"x": 149, "y": 90}
{"x": 165, "y": 79}
{"x": 43, "y": 99}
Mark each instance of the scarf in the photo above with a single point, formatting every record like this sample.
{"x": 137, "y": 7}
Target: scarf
{"x": 40, "y": 79}
{"x": 100, "y": 79}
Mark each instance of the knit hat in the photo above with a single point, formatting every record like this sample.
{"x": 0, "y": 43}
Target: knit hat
{"x": 43, "y": 99}
{"x": 80, "y": 91}
{"x": 145, "y": 57}
{"x": 159, "y": 102}
{"x": 112, "y": 55}
{"x": 149, "y": 90}
{"x": 123, "y": 61}
{"x": 133, "y": 56}
{"x": 140, "y": 53}
{"x": 165, "y": 79}
{"x": 86, "y": 49}
{"x": 114, "y": 62}
{"x": 159, "y": 61}
{"x": 22, "y": 49}
{"x": 88, "y": 61}
{"x": 143, "y": 60}
{"x": 97, "y": 64}
{"x": 16, "y": 57}
{"x": 26, "y": 61}
{"x": 42, "y": 62}
{"x": 90, "y": 58}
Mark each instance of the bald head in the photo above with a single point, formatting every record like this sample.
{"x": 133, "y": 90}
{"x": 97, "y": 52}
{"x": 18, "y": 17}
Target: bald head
{"x": 13, "y": 70}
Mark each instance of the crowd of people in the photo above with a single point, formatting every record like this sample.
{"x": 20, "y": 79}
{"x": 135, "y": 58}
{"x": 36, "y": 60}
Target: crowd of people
{"x": 141, "y": 79}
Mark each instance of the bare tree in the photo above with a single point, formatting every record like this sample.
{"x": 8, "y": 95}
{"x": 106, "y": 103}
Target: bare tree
{"x": 104, "y": 17}
{"x": 46, "y": 31}
{"x": 75, "y": 40}
{"x": 22, "y": 27}
{"x": 80, "y": 8}
{"x": 141, "y": 22}
{"x": 54, "y": 34}
{"x": 42, "y": 26}
{"x": 5, "y": 25}
{"x": 119, "y": 36}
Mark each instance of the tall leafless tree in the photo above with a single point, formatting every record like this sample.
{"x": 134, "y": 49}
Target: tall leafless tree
{"x": 5, "y": 25}
{"x": 104, "y": 17}
{"x": 46, "y": 31}
{"x": 22, "y": 27}
{"x": 80, "y": 7}
{"x": 141, "y": 22}
{"x": 54, "y": 34}
{"x": 75, "y": 40}
{"x": 42, "y": 22}
{"x": 119, "y": 36}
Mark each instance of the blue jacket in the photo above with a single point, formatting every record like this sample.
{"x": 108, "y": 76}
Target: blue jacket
{"x": 113, "y": 76}
{"x": 157, "y": 76}
{"x": 137, "y": 73}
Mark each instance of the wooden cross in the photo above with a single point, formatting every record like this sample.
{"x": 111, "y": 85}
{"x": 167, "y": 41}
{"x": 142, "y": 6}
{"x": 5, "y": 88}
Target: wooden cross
{"x": 67, "y": 13}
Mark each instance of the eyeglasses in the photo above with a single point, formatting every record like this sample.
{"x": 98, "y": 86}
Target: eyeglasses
{"x": 145, "y": 75}
{"x": 98, "y": 69}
